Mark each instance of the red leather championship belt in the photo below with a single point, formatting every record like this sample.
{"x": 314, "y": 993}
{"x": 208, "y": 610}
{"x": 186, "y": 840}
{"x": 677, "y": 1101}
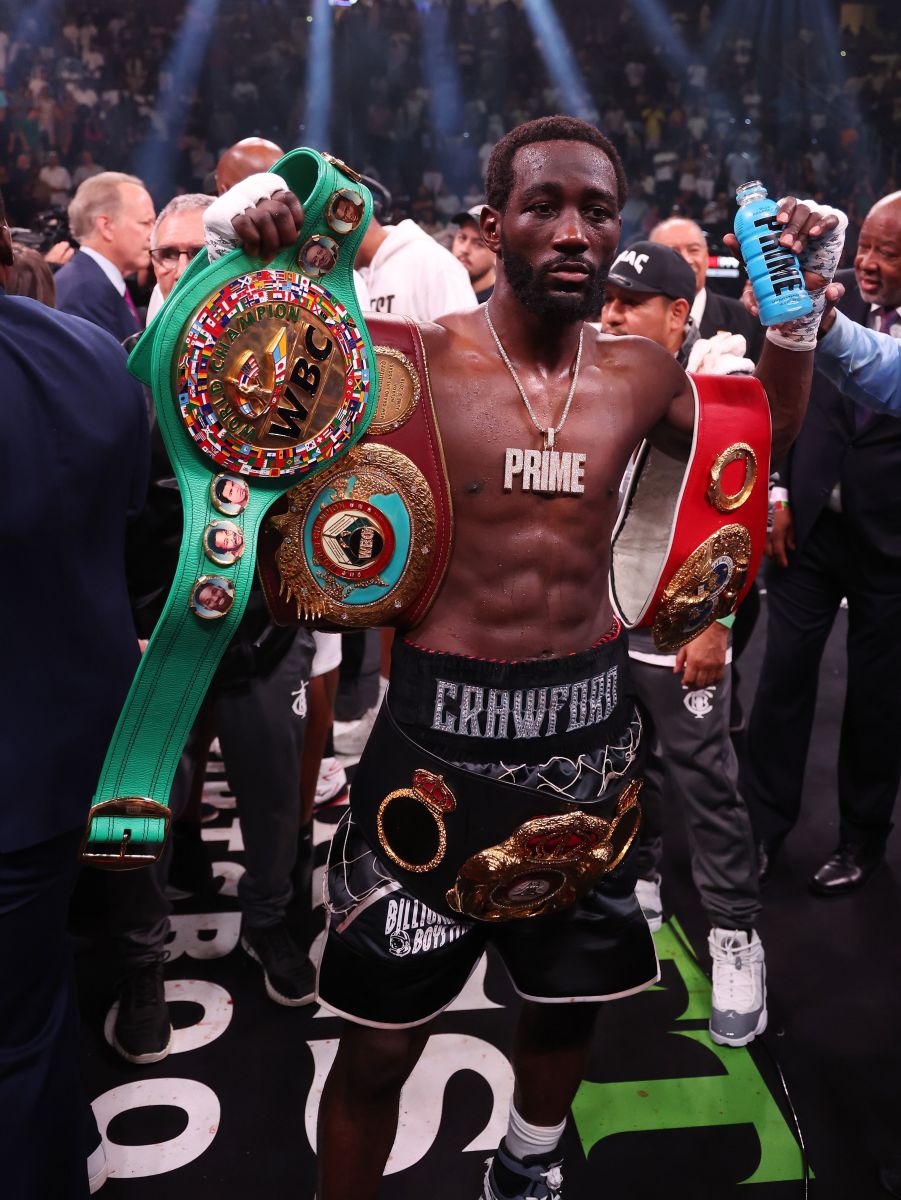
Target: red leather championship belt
{"x": 367, "y": 541}
{"x": 689, "y": 539}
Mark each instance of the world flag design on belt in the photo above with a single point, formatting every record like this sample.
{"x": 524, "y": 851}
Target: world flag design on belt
{"x": 273, "y": 375}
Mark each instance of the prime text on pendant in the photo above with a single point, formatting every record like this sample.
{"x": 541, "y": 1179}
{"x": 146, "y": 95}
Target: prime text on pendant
{"x": 550, "y": 471}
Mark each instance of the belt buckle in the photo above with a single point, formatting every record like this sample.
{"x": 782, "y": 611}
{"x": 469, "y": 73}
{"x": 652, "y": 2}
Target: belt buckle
{"x": 124, "y": 859}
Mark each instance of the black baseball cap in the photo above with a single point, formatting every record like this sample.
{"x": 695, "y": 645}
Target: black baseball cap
{"x": 655, "y": 269}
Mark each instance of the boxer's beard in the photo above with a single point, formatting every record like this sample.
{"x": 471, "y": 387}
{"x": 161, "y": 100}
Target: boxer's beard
{"x": 530, "y": 288}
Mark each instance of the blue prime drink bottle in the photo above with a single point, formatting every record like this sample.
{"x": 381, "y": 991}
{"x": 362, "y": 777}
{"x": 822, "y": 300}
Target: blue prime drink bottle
{"x": 774, "y": 271}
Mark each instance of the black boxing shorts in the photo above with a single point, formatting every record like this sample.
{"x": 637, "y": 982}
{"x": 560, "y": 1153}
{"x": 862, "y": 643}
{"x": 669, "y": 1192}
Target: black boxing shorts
{"x": 570, "y": 740}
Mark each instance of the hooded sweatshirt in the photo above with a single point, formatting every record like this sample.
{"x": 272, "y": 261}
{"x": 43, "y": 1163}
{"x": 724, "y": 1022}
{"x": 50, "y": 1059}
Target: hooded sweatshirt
{"x": 411, "y": 275}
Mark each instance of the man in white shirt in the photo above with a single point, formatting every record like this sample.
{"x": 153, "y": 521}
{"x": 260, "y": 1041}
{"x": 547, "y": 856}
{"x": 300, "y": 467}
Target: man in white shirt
{"x": 409, "y": 274}
{"x": 57, "y": 178}
{"x": 86, "y": 169}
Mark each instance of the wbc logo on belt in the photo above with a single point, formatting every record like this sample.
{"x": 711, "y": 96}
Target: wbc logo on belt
{"x": 272, "y": 377}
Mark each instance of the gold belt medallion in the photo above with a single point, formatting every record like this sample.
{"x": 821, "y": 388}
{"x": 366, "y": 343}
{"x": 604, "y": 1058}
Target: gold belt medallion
{"x": 358, "y": 540}
{"x": 704, "y": 587}
{"x": 272, "y": 375}
{"x": 725, "y": 501}
{"x": 546, "y": 864}
{"x": 399, "y": 390}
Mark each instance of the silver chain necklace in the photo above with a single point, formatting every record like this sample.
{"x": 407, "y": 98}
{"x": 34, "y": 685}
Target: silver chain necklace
{"x": 549, "y": 433}
{"x": 549, "y": 470}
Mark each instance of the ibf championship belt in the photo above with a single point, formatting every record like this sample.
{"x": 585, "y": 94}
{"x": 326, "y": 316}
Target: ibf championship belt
{"x": 689, "y": 539}
{"x": 263, "y": 376}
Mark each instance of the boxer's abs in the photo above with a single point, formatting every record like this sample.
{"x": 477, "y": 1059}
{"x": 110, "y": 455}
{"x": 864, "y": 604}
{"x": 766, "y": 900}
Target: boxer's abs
{"x": 515, "y": 598}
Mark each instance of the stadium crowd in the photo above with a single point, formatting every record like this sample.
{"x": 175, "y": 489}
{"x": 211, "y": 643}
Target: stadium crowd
{"x": 694, "y": 106}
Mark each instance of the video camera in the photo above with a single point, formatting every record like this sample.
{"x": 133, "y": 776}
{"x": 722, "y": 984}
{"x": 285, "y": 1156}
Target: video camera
{"x": 48, "y": 228}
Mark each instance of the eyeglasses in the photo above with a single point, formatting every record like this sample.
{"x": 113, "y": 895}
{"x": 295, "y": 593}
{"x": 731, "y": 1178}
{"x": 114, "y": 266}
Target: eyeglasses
{"x": 168, "y": 256}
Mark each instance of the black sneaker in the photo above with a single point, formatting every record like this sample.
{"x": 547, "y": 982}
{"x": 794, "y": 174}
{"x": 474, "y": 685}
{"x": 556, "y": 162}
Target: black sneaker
{"x": 509, "y": 1178}
{"x": 142, "y": 1032}
{"x": 289, "y": 975}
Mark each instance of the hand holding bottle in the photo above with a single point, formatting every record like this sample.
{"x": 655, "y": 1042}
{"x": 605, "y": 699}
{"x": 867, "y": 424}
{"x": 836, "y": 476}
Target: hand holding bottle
{"x": 816, "y": 235}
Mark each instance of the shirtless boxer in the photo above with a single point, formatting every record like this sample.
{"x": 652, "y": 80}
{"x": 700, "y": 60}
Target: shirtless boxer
{"x": 526, "y": 593}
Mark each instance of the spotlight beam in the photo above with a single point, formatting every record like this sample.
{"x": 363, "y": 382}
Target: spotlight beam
{"x": 319, "y": 76}
{"x": 559, "y": 60}
{"x": 445, "y": 92}
{"x": 155, "y": 161}
{"x": 42, "y": 17}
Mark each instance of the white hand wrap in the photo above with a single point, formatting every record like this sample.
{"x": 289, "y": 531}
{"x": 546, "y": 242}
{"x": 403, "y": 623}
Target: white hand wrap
{"x": 219, "y": 233}
{"x": 821, "y": 256}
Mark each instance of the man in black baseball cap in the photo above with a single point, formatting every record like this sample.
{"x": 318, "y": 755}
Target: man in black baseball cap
{"x": 649, "y": 292}
{"x": 690, "y": 761}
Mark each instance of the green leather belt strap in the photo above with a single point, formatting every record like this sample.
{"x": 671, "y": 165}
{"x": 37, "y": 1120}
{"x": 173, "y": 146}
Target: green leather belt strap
{"x": 263, "y": 375}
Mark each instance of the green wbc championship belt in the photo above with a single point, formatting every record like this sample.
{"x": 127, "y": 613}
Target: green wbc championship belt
{"x": 263, "y": 375}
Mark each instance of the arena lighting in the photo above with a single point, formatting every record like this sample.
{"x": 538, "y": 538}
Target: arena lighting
{"x": 37, "y": 24}
{"x": 155, "y": 161}
{"x": 731, "y": 19}
{"x": 342, "y": 3}
{"x": 658, "y": 23}
{"x": 559, "y": 59}
{"x": 659, "y": 27}
{"x": 445, "y": 92}
{"x": 841, "y": 107}
{"x": 319, "y": 75}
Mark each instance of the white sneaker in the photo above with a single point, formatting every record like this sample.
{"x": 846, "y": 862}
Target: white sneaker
{"x": 647, "y": 893}
{"x": 351, "y": 736}
{"x": 98, "y": 1169}
{"x": 331, "y": 783}
{"x": 739, "y": 987}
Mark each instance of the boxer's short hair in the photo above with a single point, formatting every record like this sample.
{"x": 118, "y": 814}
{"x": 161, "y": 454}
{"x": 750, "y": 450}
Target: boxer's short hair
{"x": 500, "y": 177}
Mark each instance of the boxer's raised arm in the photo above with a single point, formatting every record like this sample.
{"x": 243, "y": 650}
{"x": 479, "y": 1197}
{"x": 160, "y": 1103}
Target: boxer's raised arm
{"x": 785, "y": 368}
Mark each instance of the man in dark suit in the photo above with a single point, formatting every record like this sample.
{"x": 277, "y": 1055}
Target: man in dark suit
{"x": 837, "y": 533}
{"x": 710, "y": 311}
{"x": 111, "y": 216}
{"x": 74, "y": 469}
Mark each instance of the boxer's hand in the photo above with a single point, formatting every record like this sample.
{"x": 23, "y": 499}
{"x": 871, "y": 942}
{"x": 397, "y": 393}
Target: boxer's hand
{"x": 802, "y": 224}
{"x": 817, "y": 237}
{"x": 781, "y": 539}
{"x": 702, "y": 662}
{"x": 270, "y": 225}
{"x": 259, "y": 214}
{"x": 833, "y": 294}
